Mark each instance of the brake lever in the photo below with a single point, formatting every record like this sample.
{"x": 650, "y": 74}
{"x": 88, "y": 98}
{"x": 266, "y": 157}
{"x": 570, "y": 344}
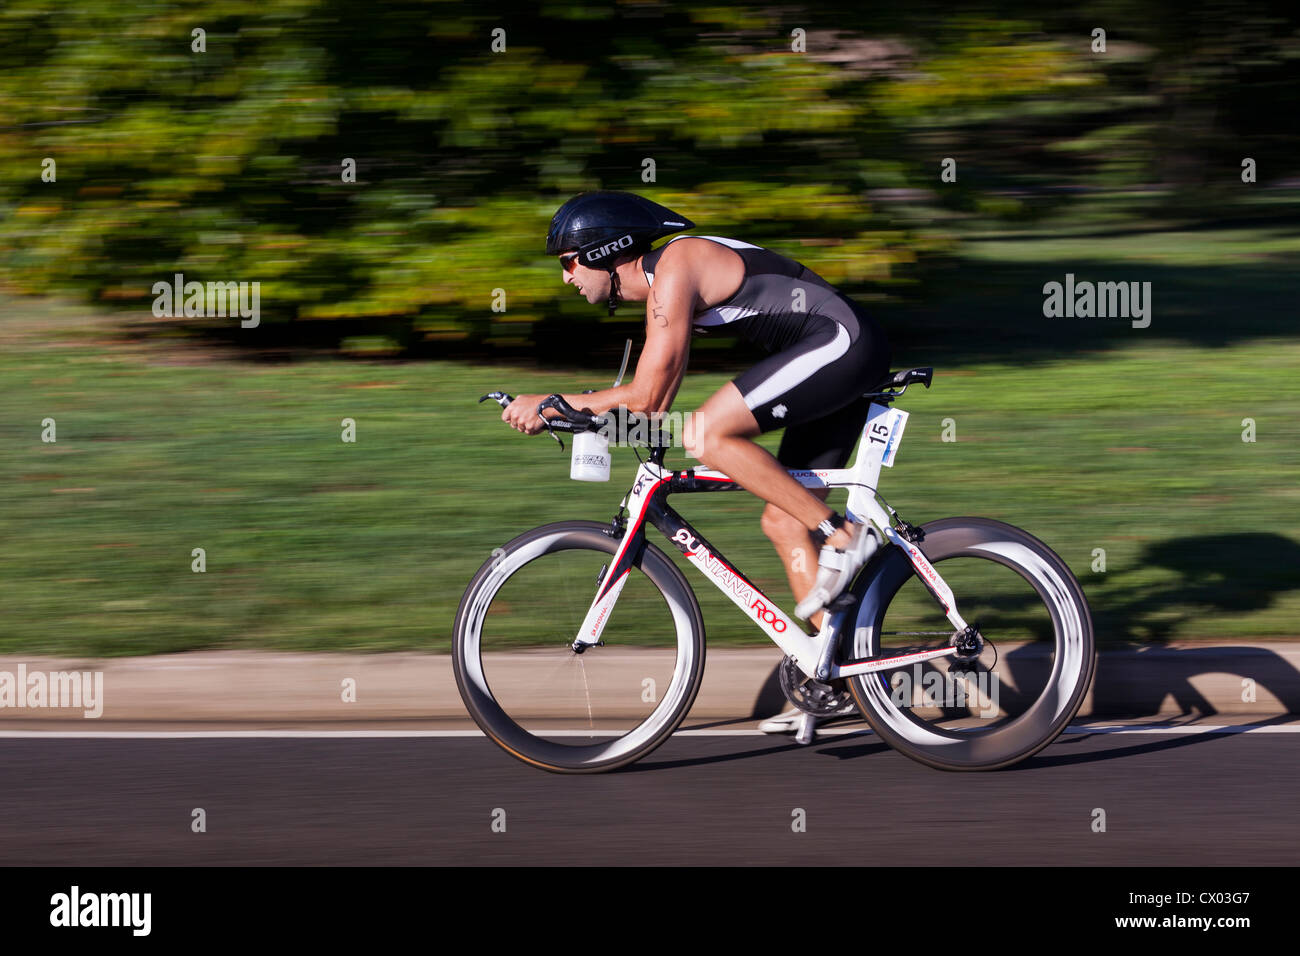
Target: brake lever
{"x": 551, "y": 401}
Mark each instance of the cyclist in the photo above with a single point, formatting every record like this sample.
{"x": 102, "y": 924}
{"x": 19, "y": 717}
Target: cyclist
{"x": 825, "y": 352}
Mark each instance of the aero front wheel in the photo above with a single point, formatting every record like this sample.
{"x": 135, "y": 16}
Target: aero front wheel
{"x": 551, "y": 707}
{"x": 1005, "y": 701}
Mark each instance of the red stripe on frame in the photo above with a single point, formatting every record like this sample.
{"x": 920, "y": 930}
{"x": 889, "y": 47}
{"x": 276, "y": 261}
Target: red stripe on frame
{"x": 628, "y": 537}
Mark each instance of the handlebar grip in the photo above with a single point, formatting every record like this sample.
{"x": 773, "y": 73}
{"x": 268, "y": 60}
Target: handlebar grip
{"x": 572, "y": 419}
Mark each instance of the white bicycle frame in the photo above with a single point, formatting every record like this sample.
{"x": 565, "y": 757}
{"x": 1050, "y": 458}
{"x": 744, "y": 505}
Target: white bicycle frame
{"x": 814, "y": 655}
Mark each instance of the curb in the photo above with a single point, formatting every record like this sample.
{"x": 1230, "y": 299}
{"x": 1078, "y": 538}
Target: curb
{"x": 739, "y": 683}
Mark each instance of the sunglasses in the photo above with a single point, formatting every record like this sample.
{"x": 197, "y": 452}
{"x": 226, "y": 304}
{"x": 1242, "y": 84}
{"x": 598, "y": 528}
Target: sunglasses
{"x": 569, "y": 261}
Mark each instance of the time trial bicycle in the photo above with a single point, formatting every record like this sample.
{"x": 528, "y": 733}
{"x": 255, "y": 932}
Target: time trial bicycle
{"x": 578, "y": 647}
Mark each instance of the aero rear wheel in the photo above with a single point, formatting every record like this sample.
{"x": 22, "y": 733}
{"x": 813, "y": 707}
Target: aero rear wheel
{"x": 549, "y": 706}
{"x": 1019, "y": 692}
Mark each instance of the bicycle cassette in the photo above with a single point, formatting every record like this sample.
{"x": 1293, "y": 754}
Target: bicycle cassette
{"x": 811, "y": 696}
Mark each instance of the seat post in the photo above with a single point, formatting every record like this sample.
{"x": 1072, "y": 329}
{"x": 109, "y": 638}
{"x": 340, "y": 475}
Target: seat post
{"x": 865, "y": 470}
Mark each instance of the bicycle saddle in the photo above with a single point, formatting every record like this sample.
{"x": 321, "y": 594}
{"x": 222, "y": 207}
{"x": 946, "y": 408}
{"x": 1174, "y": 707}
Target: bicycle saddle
{"x": 906, "y": 377}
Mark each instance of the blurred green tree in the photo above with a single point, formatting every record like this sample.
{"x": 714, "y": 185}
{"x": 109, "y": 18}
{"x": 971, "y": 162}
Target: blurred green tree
{"x": 771, "y": 123}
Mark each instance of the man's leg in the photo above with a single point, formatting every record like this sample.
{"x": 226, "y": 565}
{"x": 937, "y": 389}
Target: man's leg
{"x": 826, "y": 442}
{"x": 796, "y": 548}
{"x": 720, "y": 434}
{"x": 798, "y": 553}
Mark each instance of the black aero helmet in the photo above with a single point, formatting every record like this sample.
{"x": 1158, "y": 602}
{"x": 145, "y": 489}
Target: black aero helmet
{"x": 605, "y": 224}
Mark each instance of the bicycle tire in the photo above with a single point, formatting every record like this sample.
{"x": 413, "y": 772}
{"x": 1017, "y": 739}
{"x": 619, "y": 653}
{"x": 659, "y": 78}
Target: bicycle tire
{"x": 529, "y": 745}
{"x": 1072, "y": 667}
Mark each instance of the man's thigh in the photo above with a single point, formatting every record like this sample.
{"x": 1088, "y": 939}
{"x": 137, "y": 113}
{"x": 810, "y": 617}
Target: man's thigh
{"x": 825, "y": 442}
{"x": 724, "y": 413}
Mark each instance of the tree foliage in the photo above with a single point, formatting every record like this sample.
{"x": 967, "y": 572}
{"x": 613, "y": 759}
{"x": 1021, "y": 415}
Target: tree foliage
{"x": 226, "y": 164}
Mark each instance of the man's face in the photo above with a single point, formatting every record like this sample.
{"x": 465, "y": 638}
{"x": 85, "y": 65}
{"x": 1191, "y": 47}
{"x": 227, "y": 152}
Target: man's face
{"x": 592, "y": 283}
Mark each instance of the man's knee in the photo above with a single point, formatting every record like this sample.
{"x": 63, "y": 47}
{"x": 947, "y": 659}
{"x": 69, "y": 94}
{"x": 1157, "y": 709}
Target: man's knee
{"x": 700, "y": 437}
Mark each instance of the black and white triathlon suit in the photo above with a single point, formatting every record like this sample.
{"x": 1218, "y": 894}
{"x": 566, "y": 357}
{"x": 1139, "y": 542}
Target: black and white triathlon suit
{"x": 823, "y": 357}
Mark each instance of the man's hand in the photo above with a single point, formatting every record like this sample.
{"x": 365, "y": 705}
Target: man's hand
{"x": 521, "y": 414}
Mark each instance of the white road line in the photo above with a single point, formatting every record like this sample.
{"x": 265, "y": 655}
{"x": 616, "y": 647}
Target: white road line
{"x": 1190, "y": 729}
{"x": 1293, "y": 728}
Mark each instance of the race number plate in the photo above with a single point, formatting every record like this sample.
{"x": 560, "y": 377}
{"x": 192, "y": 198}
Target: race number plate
{"x": 895, "y": 422}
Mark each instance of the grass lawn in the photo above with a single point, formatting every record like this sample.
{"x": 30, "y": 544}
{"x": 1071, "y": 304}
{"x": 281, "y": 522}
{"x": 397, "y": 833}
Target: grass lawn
{"x": 1091, "y": 438}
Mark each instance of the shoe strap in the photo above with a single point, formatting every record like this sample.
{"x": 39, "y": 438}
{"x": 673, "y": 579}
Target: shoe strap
{"x": 827, "y": 528}
{"x": 832, "y": 559}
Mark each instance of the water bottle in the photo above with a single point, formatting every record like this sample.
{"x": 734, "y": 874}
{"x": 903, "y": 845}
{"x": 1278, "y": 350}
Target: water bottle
{"x": 591, "y": 457}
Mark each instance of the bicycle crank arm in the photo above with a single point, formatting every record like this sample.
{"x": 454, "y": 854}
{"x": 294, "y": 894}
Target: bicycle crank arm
{"x": 929, "y": 577}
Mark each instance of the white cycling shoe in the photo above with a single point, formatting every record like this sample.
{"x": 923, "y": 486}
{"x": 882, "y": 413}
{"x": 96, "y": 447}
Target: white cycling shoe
{"x": 836, "y": 569}
{"x": 804, "y": 726}
{"x": 786, "y": 723}
{"x": 791, "y": 720}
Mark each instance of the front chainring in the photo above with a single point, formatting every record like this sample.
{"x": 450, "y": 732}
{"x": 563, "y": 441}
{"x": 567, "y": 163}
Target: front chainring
{"x": 809, "y": 695}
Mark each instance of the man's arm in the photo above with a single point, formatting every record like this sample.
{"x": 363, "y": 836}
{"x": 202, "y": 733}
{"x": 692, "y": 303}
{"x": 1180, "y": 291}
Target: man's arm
{"x": 662, "y": 363}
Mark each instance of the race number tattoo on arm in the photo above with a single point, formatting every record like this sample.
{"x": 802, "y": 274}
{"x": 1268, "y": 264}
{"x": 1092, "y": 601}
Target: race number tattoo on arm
{"x": 661, "y": 318}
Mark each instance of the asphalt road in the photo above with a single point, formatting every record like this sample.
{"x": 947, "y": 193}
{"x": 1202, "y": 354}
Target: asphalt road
{"x": 1207, "y": 799}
